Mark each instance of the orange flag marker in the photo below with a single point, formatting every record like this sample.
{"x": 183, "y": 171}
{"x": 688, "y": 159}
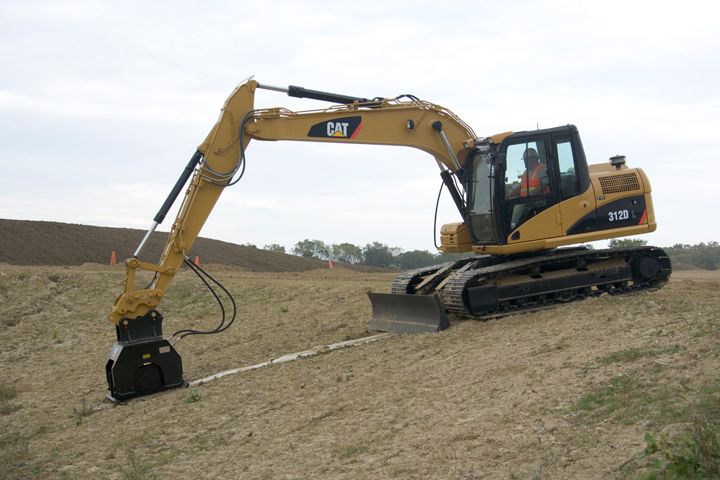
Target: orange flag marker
{"x": 113, "y": 258}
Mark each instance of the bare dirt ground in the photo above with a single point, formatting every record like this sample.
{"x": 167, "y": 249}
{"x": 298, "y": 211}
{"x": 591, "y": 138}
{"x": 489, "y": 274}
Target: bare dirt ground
{"x": 563, "y": 393}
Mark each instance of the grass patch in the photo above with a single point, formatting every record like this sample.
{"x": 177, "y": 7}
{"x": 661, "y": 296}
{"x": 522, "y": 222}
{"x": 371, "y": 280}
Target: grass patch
{"x": 84, "y": 411}
{"x": 209, "y": 441}
{"x": 193, "y": 396}
{"x": 8, "y": 393}
{"x": 137, "y": 469}
{"x": 558, "y": 346}
{"x": 628, "y": 400}
{"x": 691, "y": 454}
{"x": 632, "y": 354}
{"x": 629, "y": 355}
{"x": 14, "y": 454}
{"x": 56, "y": 337}
{"x": 189, "y": 298}
{"x": 606, "y": 399}
{"x": 351, "y": 451}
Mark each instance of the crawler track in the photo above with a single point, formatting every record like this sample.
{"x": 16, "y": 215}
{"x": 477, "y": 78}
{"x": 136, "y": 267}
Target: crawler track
{"x": 487, "y": 287}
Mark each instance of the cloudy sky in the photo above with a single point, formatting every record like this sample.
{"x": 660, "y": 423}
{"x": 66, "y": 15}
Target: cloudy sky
{"x": 103, "y": 103}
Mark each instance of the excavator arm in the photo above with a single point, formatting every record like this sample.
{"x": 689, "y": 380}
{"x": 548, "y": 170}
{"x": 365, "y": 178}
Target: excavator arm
{"x": 399, "y": 122}
{"x": 142, "y": 361}
{"x": 212, "y": 168}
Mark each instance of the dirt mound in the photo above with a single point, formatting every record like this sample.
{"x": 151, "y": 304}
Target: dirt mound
{"x": 24, "y": 242}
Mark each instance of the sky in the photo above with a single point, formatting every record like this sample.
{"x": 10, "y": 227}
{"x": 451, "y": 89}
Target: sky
{"x": 103, "y": 103}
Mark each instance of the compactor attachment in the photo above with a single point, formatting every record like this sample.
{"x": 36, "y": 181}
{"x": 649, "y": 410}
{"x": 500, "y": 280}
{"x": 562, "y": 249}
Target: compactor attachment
{"x": 142, "y": 361}
{"x": 407, "y": 313}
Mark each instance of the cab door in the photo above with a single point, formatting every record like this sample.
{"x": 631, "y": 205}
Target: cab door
{"x": 578, "y": 200}
{"x": 531, "y": 189}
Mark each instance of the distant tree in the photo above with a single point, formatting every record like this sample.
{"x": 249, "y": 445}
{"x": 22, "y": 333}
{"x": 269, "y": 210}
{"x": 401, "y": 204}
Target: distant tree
{"x": 347, "y": 253}
{"x": 378, "y": 254}
{"x": 415, "y": 259}
{"x": 703, "y": 255}
{"x": 305, "y": 248}
{"x": 626, "y": 242}
{"x": 312, "y": 249}
{"x": 274, "y": 247}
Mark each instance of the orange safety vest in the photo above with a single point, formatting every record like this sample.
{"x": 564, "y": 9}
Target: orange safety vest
{"x": 533, "y": 180}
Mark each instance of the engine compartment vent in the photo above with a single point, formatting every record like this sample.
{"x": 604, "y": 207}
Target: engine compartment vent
{"x": 624, "y": 182}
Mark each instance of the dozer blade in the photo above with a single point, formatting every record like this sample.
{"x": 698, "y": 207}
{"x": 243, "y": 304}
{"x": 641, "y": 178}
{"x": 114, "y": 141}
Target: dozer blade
{"x": 407, "y": 313}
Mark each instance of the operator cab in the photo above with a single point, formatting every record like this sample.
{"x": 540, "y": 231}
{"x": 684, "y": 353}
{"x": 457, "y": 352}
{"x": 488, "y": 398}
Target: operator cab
{"x": 523, "y": 175}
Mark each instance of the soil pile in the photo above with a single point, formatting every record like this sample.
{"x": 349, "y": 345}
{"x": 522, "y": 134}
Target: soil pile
{"x": 24, "y": 242}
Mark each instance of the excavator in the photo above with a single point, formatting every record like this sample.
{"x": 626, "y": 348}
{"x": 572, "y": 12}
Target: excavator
{"x": 521, "y": 197}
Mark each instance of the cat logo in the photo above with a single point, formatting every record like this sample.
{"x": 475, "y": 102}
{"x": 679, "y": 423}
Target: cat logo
{"x": 337, "y": 129}
{"x": 340, "y": 128}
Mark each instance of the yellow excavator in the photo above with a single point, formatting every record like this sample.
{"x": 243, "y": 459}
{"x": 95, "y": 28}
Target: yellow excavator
{"x": 520, "y": 196}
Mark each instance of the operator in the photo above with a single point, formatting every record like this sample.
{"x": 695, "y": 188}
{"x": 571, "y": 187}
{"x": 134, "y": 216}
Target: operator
{"x": 535, "y": 178}
{"x": 534, "y": 182}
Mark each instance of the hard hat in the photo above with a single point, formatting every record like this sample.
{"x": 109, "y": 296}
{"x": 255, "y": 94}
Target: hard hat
{"x": 530, "y": 154}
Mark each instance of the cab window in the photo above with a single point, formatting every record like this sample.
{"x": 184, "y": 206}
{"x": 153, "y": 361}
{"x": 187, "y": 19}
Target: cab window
{"x": 566, "y": 166}
{"x": 526, "y": 173}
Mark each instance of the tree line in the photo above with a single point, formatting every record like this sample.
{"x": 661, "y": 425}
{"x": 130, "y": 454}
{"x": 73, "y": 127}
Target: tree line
{"x": 375, "y": 254}
{"x": 704, "y": 256}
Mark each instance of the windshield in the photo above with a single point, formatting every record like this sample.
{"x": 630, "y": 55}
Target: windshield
{"x": 481, "y": 198}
